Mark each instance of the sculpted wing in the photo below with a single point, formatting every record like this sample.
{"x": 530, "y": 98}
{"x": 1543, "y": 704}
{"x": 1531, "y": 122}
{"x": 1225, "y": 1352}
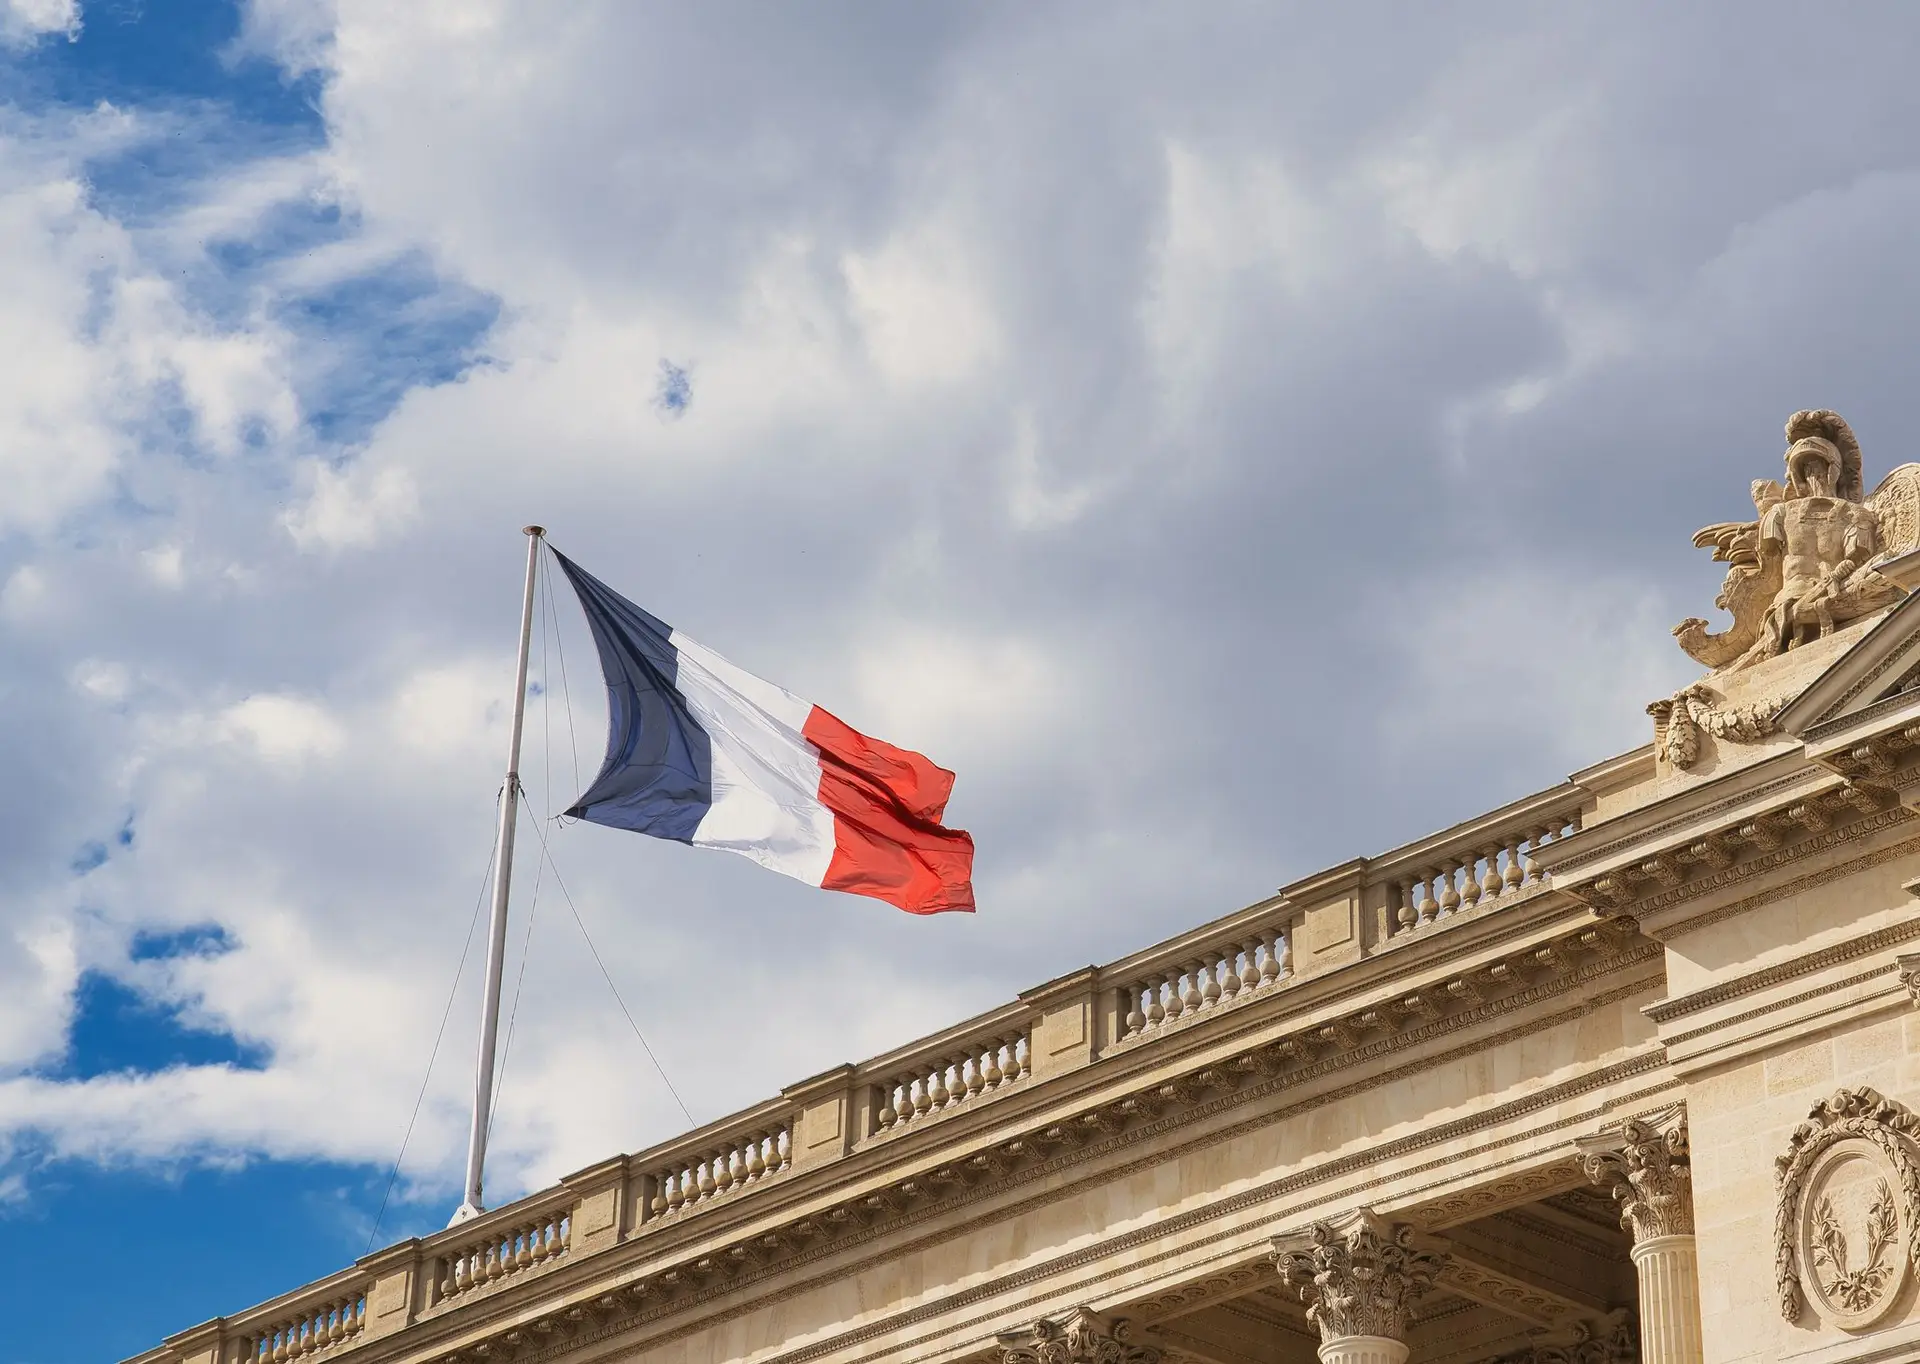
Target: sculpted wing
{"x": 1749, "y": 588}
{"x": 1896, "y": 506}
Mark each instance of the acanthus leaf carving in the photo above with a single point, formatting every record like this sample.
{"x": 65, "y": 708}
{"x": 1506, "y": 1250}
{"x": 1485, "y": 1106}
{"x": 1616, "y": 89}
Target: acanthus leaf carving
{"x": 1083, "y": 1336}
{"x": 1644, "y": 1164}
{"x": 1358, "y": 1273}
{"x": 1909, "y": 964}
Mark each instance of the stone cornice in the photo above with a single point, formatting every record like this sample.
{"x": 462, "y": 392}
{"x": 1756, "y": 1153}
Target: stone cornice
{"x": 1867, "y": 828}
{"x": 1779, "y": 974}
{"x": 1662, "y": 876}
{"x": 669, "y": 1284}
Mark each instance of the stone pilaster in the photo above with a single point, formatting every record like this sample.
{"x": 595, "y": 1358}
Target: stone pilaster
{"x": 1082, "y": 1336}
{"x": 1358, "y": 1275}
{"x": 1644, "y": 1163}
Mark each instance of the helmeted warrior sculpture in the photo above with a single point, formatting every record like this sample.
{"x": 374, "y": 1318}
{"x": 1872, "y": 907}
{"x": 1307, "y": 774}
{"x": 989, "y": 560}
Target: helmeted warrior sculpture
{"x": 1804, "y": 566}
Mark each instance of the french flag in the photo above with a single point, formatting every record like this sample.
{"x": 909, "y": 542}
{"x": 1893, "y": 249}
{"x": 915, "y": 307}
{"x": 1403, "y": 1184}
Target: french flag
{"x": 703, "y": 752}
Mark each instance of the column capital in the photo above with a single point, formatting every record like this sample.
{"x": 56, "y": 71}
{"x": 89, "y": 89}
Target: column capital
{"x": 1359, "y": 1273}
{"x": 1643, "y": 1162}
{"x": 1082, "y": 1336}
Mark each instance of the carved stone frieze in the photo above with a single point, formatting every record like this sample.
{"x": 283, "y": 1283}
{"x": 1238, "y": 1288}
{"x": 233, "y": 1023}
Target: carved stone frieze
{"x": 1083, "y": 1336}
{"x": 1644, "y": 1164}
{"x": 1359, "y": 1273}
{"x": 1613, "y": 1340}
{"x": 1847, "y": 1224}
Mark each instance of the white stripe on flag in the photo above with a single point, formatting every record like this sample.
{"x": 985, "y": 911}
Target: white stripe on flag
{"x": 766, "y": 776}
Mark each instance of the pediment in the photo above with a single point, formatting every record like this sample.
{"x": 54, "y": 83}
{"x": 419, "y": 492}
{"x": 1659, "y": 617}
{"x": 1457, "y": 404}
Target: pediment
{"x": 1881, "y": 667}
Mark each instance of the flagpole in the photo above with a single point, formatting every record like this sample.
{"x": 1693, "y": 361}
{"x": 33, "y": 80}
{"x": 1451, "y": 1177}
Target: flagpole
{"x": 497, "y": 924}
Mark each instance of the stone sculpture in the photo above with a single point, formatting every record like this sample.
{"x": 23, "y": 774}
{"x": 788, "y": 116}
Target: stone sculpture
{"x": 1804, "y": 566}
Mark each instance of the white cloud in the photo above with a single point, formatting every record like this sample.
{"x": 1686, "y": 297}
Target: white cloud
{"x": 923, "y": 320}
{"x": 352, "y": 507}
{"x": 24, "y": 21}
{"x": 283, "y": 729}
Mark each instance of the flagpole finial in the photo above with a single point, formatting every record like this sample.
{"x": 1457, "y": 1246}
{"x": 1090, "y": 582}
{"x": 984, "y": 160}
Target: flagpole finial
{"x": 535, "y": 531}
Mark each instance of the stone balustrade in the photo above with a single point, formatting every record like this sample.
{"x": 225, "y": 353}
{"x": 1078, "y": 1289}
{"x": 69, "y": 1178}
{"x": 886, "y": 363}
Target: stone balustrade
{"x": 532, "y": 1241}
{"x": 1472, "y": 866}
{"x": 1248, "y": 962}
{"x": 980, "y": 1068}
{"x": 730, "y": 1166}
{"x": 313, "y": 1329}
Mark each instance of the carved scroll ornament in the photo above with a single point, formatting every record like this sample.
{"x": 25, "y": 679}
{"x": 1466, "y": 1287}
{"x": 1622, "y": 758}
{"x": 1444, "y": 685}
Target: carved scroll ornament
{"x": 1083, "y": 1336}
{"x": 1358, "y": 1274}
{"x": 1847, "y": 1226}
{"x": 1645, "y": 1166}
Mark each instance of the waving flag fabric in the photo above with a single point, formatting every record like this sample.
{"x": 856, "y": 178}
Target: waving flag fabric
{"x": 703, "y": 752}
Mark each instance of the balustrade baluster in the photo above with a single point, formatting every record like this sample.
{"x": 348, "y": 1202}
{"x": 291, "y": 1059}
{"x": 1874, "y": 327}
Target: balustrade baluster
{"x": 1535, "y": 838}
{"x": 1516, "y": 874}
{"x": 1470, "y": 881}
{"x": 1429, "y": 897}
{"x": 1191, "y": 999}
{"x": 1449, "y": 896}
{"x": 993, "y": 1075}
{"x": 1491, "y": 883}
{"x": 1209, "y": 978}
{"x": 1176, "y": 1001}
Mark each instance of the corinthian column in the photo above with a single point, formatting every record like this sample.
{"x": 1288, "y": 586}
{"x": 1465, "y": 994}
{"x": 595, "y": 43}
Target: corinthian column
{"x": 1358, "y": 1274}
{"x": 1644, "y": 1165}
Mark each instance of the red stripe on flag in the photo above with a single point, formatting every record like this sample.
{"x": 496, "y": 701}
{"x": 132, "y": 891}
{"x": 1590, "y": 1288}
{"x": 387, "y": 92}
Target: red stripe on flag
{"x": 888, "y": 841}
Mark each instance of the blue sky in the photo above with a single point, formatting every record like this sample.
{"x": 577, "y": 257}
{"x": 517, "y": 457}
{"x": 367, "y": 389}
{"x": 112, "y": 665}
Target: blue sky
{"x": 210, "y": 1231}
{"x": 1231, "y": 446}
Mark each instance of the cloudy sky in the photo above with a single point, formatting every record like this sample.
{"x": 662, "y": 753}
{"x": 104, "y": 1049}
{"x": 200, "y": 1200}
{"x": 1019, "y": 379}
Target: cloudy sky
{"x": 1234, "y": 437}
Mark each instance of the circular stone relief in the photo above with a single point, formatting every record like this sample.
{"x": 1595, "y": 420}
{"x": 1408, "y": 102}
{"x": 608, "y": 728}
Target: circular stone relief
{"x": 1853, "y": 1236}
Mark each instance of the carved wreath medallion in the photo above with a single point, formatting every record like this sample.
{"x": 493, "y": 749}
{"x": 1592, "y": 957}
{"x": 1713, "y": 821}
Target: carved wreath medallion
{"x": 1847, "y": 1234}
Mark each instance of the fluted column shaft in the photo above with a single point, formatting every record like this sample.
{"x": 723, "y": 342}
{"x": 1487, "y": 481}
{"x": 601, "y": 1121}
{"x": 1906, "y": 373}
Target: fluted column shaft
{"x": 1669, "y": 1270}
{"x": 1645, "y": 1163}
{"x": 1363, "y": 1350}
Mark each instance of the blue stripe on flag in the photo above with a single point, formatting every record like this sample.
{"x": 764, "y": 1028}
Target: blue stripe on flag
{"x": 658, "y": 775}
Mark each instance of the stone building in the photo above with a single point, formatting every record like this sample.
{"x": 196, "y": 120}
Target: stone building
{"x": 1626, "y": 1069}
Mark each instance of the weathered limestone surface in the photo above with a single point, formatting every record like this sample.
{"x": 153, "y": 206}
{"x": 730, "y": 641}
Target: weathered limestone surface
{"x": 1625, "y": 1070}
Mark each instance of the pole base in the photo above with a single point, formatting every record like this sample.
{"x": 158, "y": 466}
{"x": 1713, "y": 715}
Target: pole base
{"x": 466, "y": 1212}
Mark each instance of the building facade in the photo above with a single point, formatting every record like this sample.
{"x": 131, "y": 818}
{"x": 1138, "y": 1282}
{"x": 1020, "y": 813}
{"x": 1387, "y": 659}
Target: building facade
{"x": 1626, "y": 1070}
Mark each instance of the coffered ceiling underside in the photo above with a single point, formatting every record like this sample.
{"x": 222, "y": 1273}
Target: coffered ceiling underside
{"x": 1519, "y": 1283}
